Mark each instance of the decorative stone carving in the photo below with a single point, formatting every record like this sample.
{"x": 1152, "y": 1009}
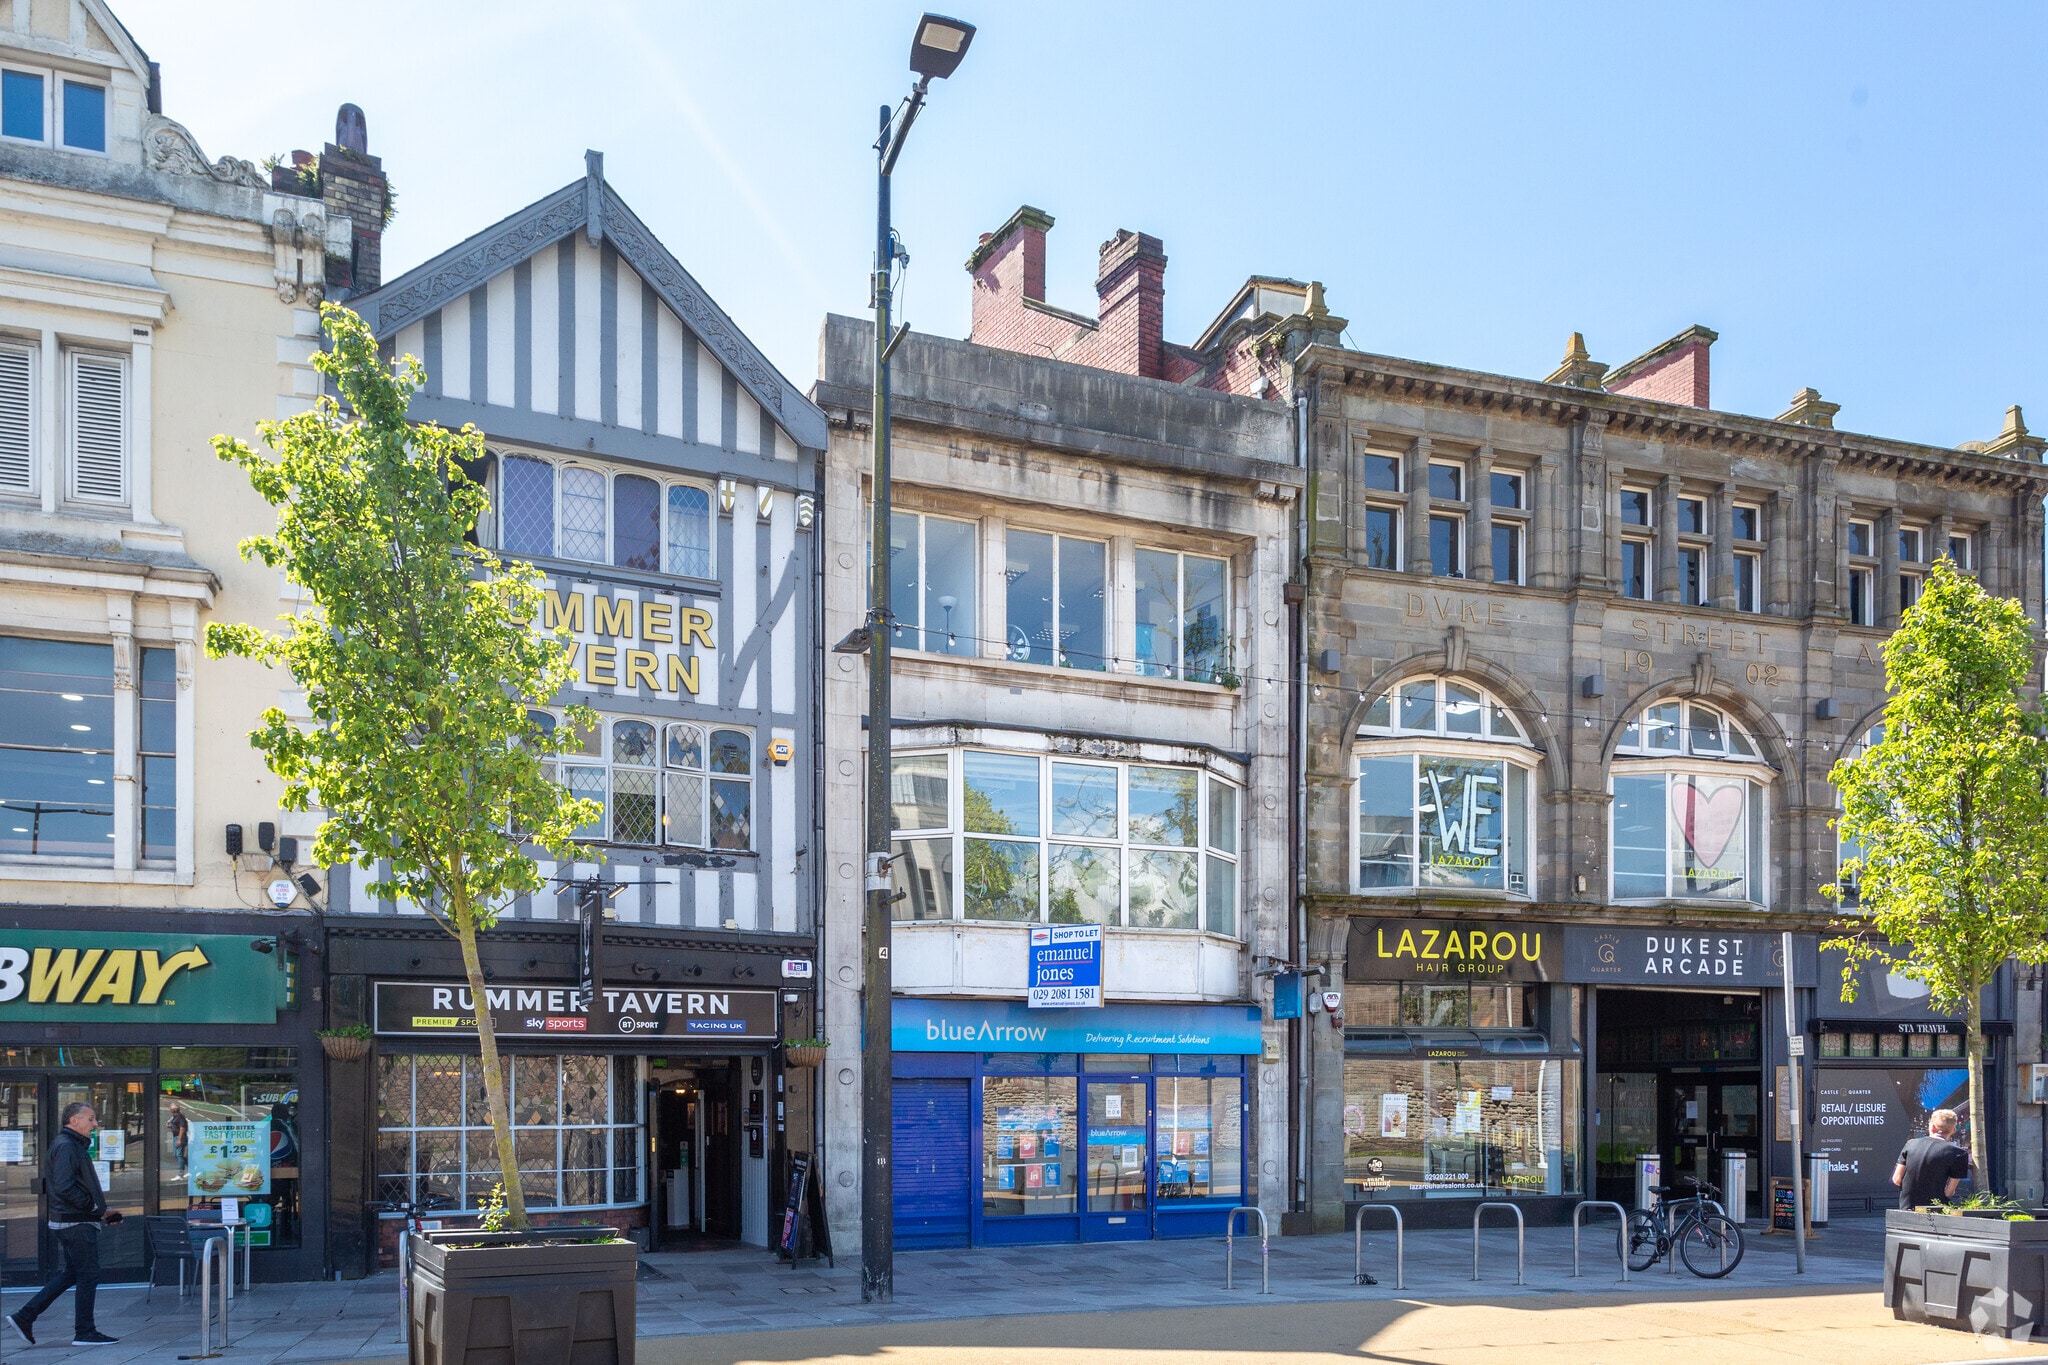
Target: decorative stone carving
{"x": 1455, "y": 649}
{"x": 464, "y": 272}
{"x": 298, "y": 243}
{"x": 169, "y": 146}
{"x": 1703, "y": 674}
{"x": 124, "y": 660}
{"x": 185, "y": 651}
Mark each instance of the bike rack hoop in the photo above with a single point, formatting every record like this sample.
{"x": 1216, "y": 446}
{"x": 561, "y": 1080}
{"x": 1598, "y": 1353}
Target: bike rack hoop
{"x": 1521, "y": 1234}
{"x": 1400, "y": 1250}
{"x": 1229, "y": 1250}
{"x": 212, "y": 1249}
{"x": 1620, "y": 1232}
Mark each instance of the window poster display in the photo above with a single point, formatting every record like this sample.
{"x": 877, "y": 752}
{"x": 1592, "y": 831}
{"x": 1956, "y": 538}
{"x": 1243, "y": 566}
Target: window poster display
{"x": 1028, "y": 1145}
{"x": 231, "y": 1159}
{"x": 1865, "y": 1115}
{"x": 1462, "y": 1128}
{"x": 1196, "y": 1137}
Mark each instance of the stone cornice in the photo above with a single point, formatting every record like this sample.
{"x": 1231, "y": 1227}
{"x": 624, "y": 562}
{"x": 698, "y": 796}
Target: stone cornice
{"x": 1533, "y": 400}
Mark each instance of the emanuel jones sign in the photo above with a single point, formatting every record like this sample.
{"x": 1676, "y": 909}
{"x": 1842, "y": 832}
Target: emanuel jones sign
{"x": 446, "y": 1008}
{"x": 1066, "y": 967}
{"x": 51, "y": 976}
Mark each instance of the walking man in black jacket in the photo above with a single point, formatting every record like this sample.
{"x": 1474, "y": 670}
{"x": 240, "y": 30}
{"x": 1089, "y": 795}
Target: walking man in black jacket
{"x": 77, "y": 1208}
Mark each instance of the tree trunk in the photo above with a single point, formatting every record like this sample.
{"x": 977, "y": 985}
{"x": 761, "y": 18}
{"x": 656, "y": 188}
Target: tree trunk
{"x": 1979, "y": 1120}
{"x": 464, "y": 920}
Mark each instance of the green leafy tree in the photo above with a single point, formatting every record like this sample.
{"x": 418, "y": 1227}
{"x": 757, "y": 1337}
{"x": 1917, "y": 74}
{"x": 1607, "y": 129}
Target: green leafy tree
{"x": 418, "y": 662}
{"x": 1949, "y": 810}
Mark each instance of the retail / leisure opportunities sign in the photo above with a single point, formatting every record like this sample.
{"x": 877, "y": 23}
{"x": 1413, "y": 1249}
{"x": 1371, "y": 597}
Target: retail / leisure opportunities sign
{"x": 59, "y": 976}
{"x": 1066, "y": 967}
{"x": 444, "y": 1009}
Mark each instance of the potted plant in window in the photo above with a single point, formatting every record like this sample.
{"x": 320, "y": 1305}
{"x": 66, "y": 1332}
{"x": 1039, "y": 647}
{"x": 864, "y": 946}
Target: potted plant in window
{"x": 420, "y": 665}
{"x": 349, "y": 1043}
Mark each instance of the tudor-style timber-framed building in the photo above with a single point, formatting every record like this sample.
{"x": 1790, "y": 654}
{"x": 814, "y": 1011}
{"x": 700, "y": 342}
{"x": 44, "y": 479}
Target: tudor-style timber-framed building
{"x": 662, "y": 475}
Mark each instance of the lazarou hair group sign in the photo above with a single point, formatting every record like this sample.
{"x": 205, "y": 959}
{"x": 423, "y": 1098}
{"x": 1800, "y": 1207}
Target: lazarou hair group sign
{"x": 1453, "y": 949}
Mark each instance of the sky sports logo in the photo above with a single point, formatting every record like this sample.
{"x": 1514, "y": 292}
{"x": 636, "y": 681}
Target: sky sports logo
{"x": 563, "y": 1023}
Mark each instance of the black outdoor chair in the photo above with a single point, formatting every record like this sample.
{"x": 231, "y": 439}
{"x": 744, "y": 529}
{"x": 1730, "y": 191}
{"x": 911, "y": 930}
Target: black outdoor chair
{"x": 170, "y": 1239}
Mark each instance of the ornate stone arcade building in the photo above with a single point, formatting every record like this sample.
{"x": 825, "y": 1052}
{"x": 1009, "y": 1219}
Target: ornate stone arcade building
{"x": 1580, "y": 654}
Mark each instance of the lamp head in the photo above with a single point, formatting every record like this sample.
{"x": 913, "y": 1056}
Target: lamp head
{"x": 940, "y": 43}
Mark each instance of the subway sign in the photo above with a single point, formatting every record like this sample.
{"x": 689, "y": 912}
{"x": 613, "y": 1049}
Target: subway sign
{"x": 59, "y": 976}
{"x": 447, "y": 1009}
{"x": 1453, "y": 950}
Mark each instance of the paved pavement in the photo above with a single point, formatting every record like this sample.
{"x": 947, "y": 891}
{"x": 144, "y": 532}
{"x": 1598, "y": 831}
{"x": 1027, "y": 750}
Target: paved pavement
{"x": 707, "y": 1293}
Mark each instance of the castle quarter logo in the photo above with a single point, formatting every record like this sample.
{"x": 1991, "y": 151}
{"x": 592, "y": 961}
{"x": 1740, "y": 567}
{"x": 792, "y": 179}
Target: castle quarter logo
{"x": 1607, "y": 950}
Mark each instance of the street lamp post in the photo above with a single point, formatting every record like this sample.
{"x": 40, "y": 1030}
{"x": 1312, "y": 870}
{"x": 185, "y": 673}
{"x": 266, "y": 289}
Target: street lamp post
{"x": 934, "y": 54}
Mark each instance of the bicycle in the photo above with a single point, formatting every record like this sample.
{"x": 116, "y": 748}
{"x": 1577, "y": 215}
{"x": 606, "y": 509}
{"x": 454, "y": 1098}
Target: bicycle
{"x": 1707, "y": 1241}
{"x": 411, "y": 1213}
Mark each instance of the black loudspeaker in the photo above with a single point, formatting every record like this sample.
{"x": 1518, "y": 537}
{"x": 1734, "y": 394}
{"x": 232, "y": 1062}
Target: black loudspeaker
{"x": 234, "y": 841}
{"x": 266, "y": 836}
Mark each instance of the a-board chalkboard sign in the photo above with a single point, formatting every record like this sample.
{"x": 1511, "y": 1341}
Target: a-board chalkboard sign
{"x": 805, "y": 1232}
{"x": 1784, "y": 1208}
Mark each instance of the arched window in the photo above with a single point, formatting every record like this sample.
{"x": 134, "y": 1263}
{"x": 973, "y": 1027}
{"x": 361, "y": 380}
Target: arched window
{"x": 1689, "y": 817}
{"x": 1846, "y": 848}
{"x": 547, "y": 510}
{"x": 1445, "y": 776}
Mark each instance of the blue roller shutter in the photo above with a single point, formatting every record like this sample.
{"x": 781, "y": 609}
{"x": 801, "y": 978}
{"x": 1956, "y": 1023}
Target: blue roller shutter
{"x": 931, "y": 1160}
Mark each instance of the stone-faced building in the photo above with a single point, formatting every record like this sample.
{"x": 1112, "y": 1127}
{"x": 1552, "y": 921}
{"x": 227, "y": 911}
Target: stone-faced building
{"x": 1581, "y": 655}
{"x": 661, "y": 474}
{"x": 1090, "y": 726}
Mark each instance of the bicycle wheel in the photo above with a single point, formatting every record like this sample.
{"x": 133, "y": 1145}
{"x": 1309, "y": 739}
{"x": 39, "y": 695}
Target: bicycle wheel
{"x": 1710, "y": 1246}
{"x": 1642, "y": 1241}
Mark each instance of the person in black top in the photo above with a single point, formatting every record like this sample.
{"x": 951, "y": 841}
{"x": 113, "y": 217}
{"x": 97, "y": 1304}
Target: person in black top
{"x": 77, "y": 1208}
{"x": 1931, "y": 1167}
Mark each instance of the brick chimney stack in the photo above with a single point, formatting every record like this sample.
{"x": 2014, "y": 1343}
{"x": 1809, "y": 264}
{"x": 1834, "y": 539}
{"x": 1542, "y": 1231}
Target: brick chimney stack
{"x": 1009, "y": 268}
{"x": 353, "y": 186}
{"x": 1674, "y": 371}
{"x": 1130, "y": 286}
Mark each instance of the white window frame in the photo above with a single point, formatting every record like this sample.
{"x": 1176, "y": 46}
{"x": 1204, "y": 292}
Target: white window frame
{"x": 1179, "y": 670}
{"x": 557, "y": 467}
{"x": 1648, "y": 547}
{"x": 1460, "y": 534}
{"x": 1752, "y": 601}
{"x": 123, "y": 364}
{"x": 1918, "y": 535}
{"x": 1863, "y": 596}
{"x": 1106, "y": 626}
{"x": 1706, "y": 526}
{"x": 30, "y": 356}
{"x": 665, "y": 835}
{"x": 911, "y": 629}
{"x": 1756, "y": 511}
{"x": 1518, "y": 571}
{"x": 45, "y": 75}
{"x": 1637, "y": 759}
{"x": 1968, "y": 540}
{"x": 56, "y": 101}
{"x": 1128, "y": 849}
{"x": 1391, "y": 501}
{"x": 1461, "y": 474}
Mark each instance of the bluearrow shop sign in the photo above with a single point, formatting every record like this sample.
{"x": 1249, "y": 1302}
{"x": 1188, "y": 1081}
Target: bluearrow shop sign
{"x": 59, "y": 976}
{"x": 1453, "y": 949}
{"x": 447, "y": 1009}
{"x": 1012, "y": 1026}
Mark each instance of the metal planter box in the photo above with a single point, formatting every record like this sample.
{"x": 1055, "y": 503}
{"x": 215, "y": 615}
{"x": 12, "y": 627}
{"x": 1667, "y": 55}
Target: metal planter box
{"x": 1984, "y": 1275}
{"x": 523, "y": 1298}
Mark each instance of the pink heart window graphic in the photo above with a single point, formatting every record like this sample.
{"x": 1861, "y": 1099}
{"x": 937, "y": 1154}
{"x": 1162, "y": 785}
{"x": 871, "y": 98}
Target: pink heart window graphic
{"x": 1708, "y": 819}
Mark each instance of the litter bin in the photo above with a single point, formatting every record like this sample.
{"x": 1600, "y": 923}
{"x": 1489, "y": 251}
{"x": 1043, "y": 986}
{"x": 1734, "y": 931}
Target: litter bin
{"x": 1649, "y": 1175}
{"x": 1735, "y": 1185}
{"x": 1817, "y": 1188}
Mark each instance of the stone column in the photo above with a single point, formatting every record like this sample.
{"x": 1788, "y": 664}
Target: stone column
{"x": 1781, "y": 535}
{"x": 1665, "y": 514}
{"x": 1415, "y": 474}
{"x": 1888, "y": 605}
{"x": 1587, "y": 528}
{"x": 1546, "y": 560}
{"x": 1479, "y": 559}
{"x": 126, "y": 795}
{"x": 1721, "y": 567}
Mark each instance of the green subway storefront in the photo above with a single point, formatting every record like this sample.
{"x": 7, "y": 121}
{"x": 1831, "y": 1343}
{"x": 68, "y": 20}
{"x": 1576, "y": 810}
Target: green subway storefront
{"x": 185, "y": 1031}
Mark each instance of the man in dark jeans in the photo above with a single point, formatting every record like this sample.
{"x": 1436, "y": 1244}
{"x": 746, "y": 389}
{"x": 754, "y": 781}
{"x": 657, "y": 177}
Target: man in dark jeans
{"x": 1931, "y": 1167}
{"x": 77, "y": 1207}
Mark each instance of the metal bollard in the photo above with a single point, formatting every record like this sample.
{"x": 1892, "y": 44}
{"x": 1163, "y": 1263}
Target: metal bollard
{"x": 1358, "y": 1275}
{"x": 1229, "y": 1251}
{"x": 212, "y": 1249}
{"x": 1620, "y": 1232}
{"x": 1521, "y": 1235}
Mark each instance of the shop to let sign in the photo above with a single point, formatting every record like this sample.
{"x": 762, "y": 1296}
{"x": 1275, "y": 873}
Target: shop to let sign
{"x": 231, "y": 1159}
{"x": 53, "y": 976}
{"x": 448, "y": 1009}
{"x": 1066, "y": 967}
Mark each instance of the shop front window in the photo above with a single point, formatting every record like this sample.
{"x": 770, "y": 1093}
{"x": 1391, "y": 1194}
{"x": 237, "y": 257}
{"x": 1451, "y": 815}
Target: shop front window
{"x": 228, "y": 1127}
{"x": 1471, "y": 1128}
{"x": 1028, "y": 1149}
{"x": 1453, "y": 818}
{"x": 1035, "y": 839}
{"x": 1197, "y": 1138}
{"x": 576, "y": 1130}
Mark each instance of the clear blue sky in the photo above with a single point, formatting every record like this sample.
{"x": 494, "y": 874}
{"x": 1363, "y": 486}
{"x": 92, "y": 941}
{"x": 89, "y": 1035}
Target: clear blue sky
{"x": 1851, "y": 195}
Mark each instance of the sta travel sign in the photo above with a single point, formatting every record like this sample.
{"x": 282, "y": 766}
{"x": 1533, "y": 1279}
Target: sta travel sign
{"x": 445, "y": 1009}
{"x": 1012, "y": 1026}
{"x": 54, "y": 976}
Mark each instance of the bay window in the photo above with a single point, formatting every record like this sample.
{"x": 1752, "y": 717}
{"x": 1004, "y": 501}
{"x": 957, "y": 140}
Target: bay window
{"x": 1689, "y": 815}
{"x": 1445, "y": 778}
{"x": 988, "y": 835}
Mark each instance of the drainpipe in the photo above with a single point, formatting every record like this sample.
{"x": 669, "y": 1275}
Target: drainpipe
{"x": 1301, "y": 1100}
